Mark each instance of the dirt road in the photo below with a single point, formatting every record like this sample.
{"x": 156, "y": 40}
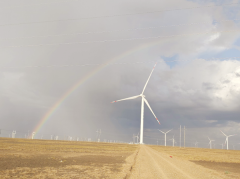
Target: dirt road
{"x": 150, "y": 163}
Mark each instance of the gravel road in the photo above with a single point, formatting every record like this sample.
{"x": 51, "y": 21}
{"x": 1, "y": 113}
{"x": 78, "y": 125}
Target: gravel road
{"x": 150, "y": 163}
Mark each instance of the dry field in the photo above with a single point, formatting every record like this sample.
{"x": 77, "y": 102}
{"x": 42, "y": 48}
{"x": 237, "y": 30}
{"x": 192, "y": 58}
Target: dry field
{"x": 226, "y": 162}
{"x": 24, "y": 158}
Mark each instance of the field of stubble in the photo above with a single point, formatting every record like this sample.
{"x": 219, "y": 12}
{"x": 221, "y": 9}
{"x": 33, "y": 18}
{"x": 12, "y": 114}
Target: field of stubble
{"x": 226, "y": 162}
{"x": 25, "y": 158}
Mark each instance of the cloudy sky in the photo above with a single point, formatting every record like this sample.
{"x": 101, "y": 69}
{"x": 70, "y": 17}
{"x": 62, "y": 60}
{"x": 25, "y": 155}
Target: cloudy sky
{"x": 44, "y": 45}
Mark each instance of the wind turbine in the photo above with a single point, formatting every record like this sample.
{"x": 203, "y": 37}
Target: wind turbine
{"x": 98, "y": 135}
{"x": 13, "y": 134}
{"x": 142, "y": 106}
{"x": 227, "y": 138}
{"x": 222, "y": 145}
{"x": 137, "y": 137}
{"x": 173, "y": 141}
{"x": 210, "y": 142}
{"x": 33, "y": 134}
{"x": 165, "y": 135}
{"x": 196, "y": 144}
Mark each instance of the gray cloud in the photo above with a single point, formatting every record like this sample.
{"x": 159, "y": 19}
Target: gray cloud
{"x": 197, "y": 93}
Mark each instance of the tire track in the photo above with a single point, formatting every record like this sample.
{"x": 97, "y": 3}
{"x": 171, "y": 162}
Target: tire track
{"x": 159, "y": 169}
{"x": 150, "y": 164}
{"x": 172, "y": 166}
{"x": 134, "y": 163}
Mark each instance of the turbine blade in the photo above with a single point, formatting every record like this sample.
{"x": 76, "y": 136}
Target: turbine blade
{"x": 150, "y": 109}
{"x": 168, "y": 131}
{"x": 223, "y": 133}
{"x": 148, "y": 78}
{"x": 161, "y": 131}
{"x": 231, "y": 135}
{"x": 133, "y": 97}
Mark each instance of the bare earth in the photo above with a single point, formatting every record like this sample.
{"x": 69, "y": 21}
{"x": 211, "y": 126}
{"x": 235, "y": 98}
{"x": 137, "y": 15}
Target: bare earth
{"x": 153, "y": 164}
{"x": 224, "y": 162}
{"x": 24, "y": 158}
{"x": 48, "y": 159}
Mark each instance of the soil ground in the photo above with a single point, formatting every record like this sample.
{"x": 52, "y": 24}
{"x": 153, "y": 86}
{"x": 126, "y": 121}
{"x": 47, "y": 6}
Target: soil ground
{"x": 25, "y": 158}
{"x": 225, "y": 162}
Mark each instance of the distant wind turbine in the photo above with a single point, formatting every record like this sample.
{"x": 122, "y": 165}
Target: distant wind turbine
{"x": 226, "y": 141}
{"x": 13, "y": 134}
{"x": 196, "y": 144}
{"x": 173, "y": 141}
{"x": 142, "y": 106}
{"x": 210, "y": 142}
{"x": 165, "y": 135}
{"x": 136, "y": 136}
{"x": 222, "y": 145}
{"x": 33, "y": 134}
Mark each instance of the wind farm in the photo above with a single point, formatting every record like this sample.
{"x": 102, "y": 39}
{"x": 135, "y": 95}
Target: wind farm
{"x": 111, "y": 158}
{"x": 172, "y": 68}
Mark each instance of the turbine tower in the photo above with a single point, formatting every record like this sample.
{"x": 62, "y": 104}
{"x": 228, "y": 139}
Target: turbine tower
{"x": 173, "y": 141}
{"x": 196, "y": 144}
{"x": 13, "y": 134}
{"x": 136, "y": 136}
{"x": 210, "y": 142}
{"x": 165, "y": 135}
{"x": 227, "y": 138}
{"x": 222, "y": 145}
{"x": 142, "y": 106}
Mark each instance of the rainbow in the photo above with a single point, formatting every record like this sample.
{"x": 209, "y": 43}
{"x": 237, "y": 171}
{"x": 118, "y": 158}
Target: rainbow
{"x": 58, "y": 103}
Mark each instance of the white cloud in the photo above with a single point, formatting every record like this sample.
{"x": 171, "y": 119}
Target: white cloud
{"x": 214, "y": 84}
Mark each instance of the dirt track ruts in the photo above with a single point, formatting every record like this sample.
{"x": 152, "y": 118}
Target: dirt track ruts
{"x": 153, "y": 164}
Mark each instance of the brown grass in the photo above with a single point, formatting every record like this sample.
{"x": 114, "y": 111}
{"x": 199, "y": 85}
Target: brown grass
{"x": 25, "y": 158}
{"x": 197, "y": 154}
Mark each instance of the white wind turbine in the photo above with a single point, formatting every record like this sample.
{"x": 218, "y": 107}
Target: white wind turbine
{"x": 227, "y": 138}
{"x": 165, "y": 135}
{"x": 210, "y": 142}
{"x": 142, "y": 106}
{"x": 173, "y": 141}
{"x": 136, "y": 136}
{"x": 196, "y": 144}
{"x": 222, "y": 145}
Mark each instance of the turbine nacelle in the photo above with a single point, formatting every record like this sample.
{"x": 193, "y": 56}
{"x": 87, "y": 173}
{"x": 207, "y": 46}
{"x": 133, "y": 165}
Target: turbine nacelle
{"x": 142, "y": 106}
{"x": 142, "y": 95}
{"x": 165, "y": 133}
{"x": 226, "y": 141}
